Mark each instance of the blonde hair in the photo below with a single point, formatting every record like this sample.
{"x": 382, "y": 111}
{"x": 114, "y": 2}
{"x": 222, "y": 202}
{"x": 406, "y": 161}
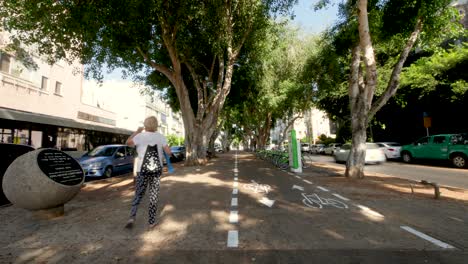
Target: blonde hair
{"x": 151, "y": 123}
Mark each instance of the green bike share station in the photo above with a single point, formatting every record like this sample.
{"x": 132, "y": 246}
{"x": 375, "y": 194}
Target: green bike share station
{"x": 294, "y": 153}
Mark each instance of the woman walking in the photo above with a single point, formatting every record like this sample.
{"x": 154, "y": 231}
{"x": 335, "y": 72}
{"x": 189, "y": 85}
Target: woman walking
{"x": 149, "y": 146}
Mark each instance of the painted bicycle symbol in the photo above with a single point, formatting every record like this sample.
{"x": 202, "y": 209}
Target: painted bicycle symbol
{"x": 315, "y": 201}
{"x": 257, "y": 188}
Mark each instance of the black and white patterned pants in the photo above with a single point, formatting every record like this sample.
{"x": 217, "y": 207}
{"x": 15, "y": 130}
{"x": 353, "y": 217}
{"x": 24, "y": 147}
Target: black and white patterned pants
{"x": 142, "y": 182}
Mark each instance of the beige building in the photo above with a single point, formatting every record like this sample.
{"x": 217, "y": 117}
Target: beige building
{"x": 132, "y": 104}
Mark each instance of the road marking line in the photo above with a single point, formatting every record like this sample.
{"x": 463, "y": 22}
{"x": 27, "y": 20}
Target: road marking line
{"x": 428, "y": 238}
{"x": 235, "y": 178}
{"x": 309, "y": 182}
{"x": 456, "y": 219}
{"x": 234, "y": 202}
{"x": 300, "y": 188}
{"x": 233, "y": 238}
{"x": 341, "y": 197}
{"x": 322, "y": 188}
{"x": 235, "y": 184}
{"x": 235, "y": 191}
{"x": 369, "y": 211}
{"x": 267, "y": 201}
{"x": 233, "y": 217}
{"x": 292, "y": 174}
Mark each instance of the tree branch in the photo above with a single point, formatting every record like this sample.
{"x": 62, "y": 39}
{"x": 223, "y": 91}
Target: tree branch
{"x": 158, "y": 67}
{"x": 394, "y": 81}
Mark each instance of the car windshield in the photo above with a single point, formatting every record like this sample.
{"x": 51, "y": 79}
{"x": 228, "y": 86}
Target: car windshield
{"x": 102, "y": 152}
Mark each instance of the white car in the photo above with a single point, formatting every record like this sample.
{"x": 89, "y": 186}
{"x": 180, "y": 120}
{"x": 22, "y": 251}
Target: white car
{"x": 330, "y": 149}
{"x": 305, "y": 147}
{"x": 391, "y": 149}
{"x": 374, "y": 154}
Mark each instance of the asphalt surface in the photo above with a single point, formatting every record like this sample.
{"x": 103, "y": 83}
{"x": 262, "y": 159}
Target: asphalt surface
{"x": 242, "y": 212}
{"x": 439, "y": 172}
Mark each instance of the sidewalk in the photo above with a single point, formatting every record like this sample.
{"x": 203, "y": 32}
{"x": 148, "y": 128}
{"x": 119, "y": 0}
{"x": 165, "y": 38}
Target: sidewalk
{"x": 195, "y": 211}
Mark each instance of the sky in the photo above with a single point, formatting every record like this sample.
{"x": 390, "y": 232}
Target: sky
{"x": 311, "y": 22}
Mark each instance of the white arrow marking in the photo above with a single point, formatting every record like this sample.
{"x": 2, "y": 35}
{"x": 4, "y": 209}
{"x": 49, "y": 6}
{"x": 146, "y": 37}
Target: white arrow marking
{"x": 267, "y": 201}
{"x": 300, "y": 188}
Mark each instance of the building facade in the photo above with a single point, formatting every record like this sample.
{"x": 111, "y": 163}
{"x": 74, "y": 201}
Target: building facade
{"x": 42, "y": 107}
{"x": 132, "y": 103}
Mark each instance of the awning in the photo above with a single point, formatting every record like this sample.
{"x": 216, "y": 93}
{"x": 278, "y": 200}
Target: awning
{"x": 16, "y": 115}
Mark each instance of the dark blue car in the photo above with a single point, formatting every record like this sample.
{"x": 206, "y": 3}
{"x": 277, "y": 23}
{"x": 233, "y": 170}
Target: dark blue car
{"x": 107, "y": 159}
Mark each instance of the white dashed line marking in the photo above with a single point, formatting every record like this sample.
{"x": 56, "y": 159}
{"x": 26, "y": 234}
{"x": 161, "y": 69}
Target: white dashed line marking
{"x": 235, "y": 191}
{"x": 341, "y": 197}
{"x": 297, "y": 177}
{"x": 235, "y": 178}
{"x": 233, "y": 238}
{"x": 233, "y": 217}
{"x": 322, "y": 188}
{"x": 306, "y": 181}
{"x": 428, "y": 238}
{"x": 292, "y": 174}
{"x": 235, "y": 184}
{"x": 234, "y": 202}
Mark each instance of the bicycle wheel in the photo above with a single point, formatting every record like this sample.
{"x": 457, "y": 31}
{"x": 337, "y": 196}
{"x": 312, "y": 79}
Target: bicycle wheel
{"x": 311, "y": 204}
{"x": 336, "y": 203}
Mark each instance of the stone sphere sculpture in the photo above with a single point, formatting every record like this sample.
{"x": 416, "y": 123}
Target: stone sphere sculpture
{"x": 43, "y": 179}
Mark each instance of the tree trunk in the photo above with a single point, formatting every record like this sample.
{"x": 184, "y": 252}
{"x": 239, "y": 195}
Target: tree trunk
{"x": 196, "y": 152}
{"x": 357, "y": 155}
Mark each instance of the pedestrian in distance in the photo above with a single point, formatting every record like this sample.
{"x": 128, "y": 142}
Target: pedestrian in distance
{"x": 150, "y": 145}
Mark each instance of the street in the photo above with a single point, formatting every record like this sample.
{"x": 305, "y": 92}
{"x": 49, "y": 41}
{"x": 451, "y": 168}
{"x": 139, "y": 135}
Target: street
{"x": 239, "y": 209}
{"x": 432, "y": 172}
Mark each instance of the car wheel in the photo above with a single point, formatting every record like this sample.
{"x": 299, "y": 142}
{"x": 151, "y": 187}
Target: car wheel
{"x": 459, "y": 161}
{"x": 406, "y": 156}
{"x": 108, "y": 172}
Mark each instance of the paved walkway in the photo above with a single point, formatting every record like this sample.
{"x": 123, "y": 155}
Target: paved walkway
{"x": 239, "y": 209}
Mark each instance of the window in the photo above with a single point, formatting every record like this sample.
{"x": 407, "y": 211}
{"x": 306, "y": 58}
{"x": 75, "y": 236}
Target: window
{"x": 44, "y": 83}
{"x": 58, "y": 88}
{"x": 5, "y": 63}
{"x": 439, "y": 140}
{"x": 422, "y": 141}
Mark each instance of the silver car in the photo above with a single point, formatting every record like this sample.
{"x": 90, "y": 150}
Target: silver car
{"x": 374, "y": 154}
{"x": 391, "y": 149}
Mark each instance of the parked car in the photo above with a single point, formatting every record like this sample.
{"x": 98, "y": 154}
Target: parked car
{"x": 453, "y": 147}
{"x": 318, "y": 149}
{"x": 305, "y": 147}
{"x": 391, "y": 149}
{"x": 331, "y": 148}
{"x": 374, "y": 154}
{"x": 178, "y": 153}
{"x": 8, "y": 153}
{"x": 107, "y": 159}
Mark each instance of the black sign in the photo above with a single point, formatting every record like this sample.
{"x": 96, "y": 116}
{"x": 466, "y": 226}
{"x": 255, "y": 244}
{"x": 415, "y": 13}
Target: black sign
{"x": 60, "y": 167}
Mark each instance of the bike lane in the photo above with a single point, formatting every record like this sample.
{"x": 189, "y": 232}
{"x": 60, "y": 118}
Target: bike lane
{"x": 290, "y": 225}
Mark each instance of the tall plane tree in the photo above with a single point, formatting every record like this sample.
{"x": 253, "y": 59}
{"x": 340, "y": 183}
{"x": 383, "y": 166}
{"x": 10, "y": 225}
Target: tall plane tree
{"x": 397, "y": 21}
{"x": 188, "y": 46}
